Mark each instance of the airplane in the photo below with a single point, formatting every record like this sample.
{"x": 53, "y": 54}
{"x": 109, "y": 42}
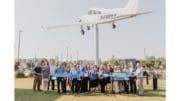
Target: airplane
{"x": 97, "y": 16}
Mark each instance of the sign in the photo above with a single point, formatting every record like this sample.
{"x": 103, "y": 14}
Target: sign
{"x": 119, "y": 76}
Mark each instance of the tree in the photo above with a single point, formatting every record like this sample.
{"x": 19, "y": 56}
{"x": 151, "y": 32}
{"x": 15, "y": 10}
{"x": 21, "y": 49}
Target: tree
{"x": 150, "y": 61}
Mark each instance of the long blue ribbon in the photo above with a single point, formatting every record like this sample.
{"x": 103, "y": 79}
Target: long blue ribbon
{"x": 114, "y": 76}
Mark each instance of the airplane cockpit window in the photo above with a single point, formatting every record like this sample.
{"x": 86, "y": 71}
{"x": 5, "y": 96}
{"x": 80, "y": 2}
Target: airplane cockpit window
{"x": 93, "y": 12}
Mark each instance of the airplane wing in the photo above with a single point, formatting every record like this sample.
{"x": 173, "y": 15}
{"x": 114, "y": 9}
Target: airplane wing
{"x": 61, "y": 26}
{"x": 123, "y": 17}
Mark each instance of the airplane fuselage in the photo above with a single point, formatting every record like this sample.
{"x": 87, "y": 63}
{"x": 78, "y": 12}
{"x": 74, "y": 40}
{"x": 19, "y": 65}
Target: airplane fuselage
{"x": 107, "y": 15}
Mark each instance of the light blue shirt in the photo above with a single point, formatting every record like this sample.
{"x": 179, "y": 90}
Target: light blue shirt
{"x": 127, "y": 71}
{"x": 139, "y": 72}
{"x": 74, "y": 73}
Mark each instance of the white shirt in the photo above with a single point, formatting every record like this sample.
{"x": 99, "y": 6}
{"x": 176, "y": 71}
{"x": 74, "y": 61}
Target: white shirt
{"x": 127, "y": 71}
{"x": 131, "y": 72}
{"x": 52, "y": 69}
{"x": 139, "y": 72}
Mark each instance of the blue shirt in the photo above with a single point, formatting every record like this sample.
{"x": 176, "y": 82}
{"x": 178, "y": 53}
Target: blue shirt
{"x": 93, "y": 75}
{"x": 74, "y": 73}
{"x": 59, "y": 71}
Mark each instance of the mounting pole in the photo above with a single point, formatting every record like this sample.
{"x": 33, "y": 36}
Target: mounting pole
{"x": 96, "y": 45}
{"x": 19, "y": 45}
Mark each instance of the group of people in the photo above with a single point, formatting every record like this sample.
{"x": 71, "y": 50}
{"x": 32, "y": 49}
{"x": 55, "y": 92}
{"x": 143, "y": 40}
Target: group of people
{"x": 93, "y": 77}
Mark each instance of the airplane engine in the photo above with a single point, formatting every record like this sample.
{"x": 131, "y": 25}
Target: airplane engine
{"x": 82, "y": 32}
{"x": 113, "y": 26}
{"x": 88, "y": 28}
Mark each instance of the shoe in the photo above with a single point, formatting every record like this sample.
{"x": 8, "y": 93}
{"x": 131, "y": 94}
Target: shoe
{"x": 141, "y": 94}
{"x": 39, "y": 90}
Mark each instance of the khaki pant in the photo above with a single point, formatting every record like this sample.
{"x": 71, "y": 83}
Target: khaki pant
{"x": 140, "y": 86}
{"x": 116, "y": 87}
{"x": 37, "y": 82}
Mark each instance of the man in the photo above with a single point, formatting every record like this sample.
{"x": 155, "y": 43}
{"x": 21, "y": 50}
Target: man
{"x": 139, "y": 75}
{"x": 74, "y": 73}
{"x": 146, "y": 74}
{"x": 126, "y": 82}
{"x": 37, "y": 77}
{"x": 52, "y": 69}
{"x": 60, "y": 70}
{"x": 132, "y": 78}
{"x": 155, "y": 77}
{"x": 85, "y": 78}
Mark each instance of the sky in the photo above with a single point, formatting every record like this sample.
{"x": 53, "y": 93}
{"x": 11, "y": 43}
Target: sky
{"x": 128, "y": 40}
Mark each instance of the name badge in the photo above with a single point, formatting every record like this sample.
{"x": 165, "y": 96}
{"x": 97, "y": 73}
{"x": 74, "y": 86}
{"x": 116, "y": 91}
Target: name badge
{"x": 86, "y": 74}
{"x": 53, "y": 78}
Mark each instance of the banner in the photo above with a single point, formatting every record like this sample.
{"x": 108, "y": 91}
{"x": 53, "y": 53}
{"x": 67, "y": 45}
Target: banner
{"x": 119, "y": 76}
{"x": 114, "y": 76}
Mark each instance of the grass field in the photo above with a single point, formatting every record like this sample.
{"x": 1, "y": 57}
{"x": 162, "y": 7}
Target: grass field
{"x": 24, "y": 92}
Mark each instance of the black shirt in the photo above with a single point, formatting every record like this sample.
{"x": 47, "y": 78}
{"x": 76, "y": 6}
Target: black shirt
{"x": 37, "y": 70}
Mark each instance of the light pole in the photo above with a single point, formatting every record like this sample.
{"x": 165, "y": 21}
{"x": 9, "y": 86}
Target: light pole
{"x": 144, "y": 53}
{"x": 19, "y": 44}
{"x": 67, "y": 54}
{"x": 61, "y": 57}
{"x": 77, "y": 53}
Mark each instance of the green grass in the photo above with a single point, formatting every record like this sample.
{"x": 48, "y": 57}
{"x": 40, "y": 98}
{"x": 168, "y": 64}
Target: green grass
{"x": 23, "y": 92}
{"x": 30, "y": 95}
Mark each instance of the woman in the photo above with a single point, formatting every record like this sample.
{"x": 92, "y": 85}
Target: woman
{"x": 101, "y": 78}
{"x": 116, "y": 87}
{"x": 45, "y": 74}
{"x": 52, "y": 69}
{"x": 93, "y": 78}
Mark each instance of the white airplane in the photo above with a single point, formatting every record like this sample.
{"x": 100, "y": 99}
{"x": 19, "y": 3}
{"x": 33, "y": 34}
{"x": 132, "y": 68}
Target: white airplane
{"x": 102, "y": 15}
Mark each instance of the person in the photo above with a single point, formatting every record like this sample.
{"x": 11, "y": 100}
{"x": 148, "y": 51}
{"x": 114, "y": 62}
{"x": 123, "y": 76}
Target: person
{"x": 52, "y": 69}
{"x": 93, "y": 82}
{"x": 67, "y": 71}
{"x": 155, "y": 77}
{"x": 45, "y": 74}
{"x": 85, "y": 78}
{"x": 146, "y": 74}
{"x": 107, "y": 78}
{"x": 139, "y": 75}
{"x": 101, "y": 78}
{"x": 37, "y": 77}
{"x": 132, "y": 78}
{"x": 61, "y": 80}
{"x": 126, "y": 82}
{"x": 120, "y": 69}
{"x": 74, "y": 77}
{"x": 116, "y": 83}
{"x": 17, "y": 63}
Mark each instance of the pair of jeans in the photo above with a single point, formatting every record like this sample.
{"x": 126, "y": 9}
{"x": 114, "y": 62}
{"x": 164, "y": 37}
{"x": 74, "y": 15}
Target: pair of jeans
{"x": 52, "y": 83}
{"x": 133, "y": 87}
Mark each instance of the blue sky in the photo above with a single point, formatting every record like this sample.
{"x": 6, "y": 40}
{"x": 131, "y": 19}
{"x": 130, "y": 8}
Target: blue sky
{"x": 128, "y": 40}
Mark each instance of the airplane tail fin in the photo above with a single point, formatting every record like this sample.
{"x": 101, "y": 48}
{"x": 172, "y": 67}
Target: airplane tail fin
{"x": 132, "y": 6}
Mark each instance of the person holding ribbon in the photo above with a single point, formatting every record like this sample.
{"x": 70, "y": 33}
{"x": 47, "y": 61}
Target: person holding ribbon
{"x": 60, "y": 72}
